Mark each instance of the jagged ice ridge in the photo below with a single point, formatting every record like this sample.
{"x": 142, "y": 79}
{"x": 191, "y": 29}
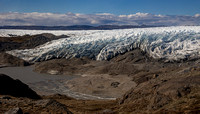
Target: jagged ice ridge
{"x": 168, "y": 43}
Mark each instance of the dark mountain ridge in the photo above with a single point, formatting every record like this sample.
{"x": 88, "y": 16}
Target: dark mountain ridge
{"x": 77, "y": 27}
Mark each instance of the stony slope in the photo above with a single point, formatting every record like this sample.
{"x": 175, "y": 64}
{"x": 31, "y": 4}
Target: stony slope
{"x": 9, "y": 86}
{"x": 161, "y": 87}
{"x": 174, "y": 89}
{"x": 9, "y": 60}
{"x": 26, "y": 41}
{"x": 16, "y": 96}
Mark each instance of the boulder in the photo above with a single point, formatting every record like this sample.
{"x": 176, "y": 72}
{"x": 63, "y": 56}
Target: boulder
{"x": 14, "y": 111}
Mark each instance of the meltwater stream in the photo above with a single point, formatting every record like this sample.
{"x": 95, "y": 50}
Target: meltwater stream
{"x": 46, "y": 84}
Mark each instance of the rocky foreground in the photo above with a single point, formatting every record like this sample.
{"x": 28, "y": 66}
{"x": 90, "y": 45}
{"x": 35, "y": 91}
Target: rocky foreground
{"x": 161, "y": 87}
{"x": 140, "y": 84}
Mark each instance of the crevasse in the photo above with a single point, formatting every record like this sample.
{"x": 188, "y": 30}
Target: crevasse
{"x": 169, "y": 43}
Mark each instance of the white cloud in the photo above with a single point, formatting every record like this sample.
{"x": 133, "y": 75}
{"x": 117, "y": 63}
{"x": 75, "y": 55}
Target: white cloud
{"x": 104, "y": 14}
{"x": 55, "y": 19}
{"x": 197, "y": 15}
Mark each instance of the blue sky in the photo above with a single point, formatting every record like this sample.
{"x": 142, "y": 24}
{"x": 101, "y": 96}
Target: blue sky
{"x": 117, "y": 7}
{"x": 99, "y": 12}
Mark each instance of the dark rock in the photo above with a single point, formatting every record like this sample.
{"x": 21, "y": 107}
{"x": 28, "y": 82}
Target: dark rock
{"x": 16, "y": 88}
{"x": 134, "y": 56}
{"x": 164, "y": 80}
{"x": 154, "y": 94}
{"x": 158, "y": 101}
{"x": 58, "y": 96}
{"x": 183, "y": 91}
{"x": 15, "y": 111}
{"x": 142, "y": 79}
{"x": 53, "y": 105}
{"x": 100, "y": 87}
{"x": 108, "y": 111}
{"x": 155, "y": 76}
{"x": 6, "y": 97}
{"x": 9, "y": 60}
{"x": 26, "y": 41}
{"x": 115, "y": 84}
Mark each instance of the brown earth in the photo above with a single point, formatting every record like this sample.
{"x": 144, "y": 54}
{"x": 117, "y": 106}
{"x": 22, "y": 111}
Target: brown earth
{"x": 30, "y": 106}
{"x": 158, "y": 95}
{"x": 126, "y": 64}
{"x": 161, "y": 87}
{"x": 57, "y": 104}
{"x": 107, "y": 79}
{"x": 171, "y": 90}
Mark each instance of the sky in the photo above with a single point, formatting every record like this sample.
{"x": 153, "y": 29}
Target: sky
{"x": 69, "y": 12}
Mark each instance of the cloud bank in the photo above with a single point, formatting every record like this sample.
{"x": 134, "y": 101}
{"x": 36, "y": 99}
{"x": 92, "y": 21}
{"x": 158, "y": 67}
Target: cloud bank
{"x": 56, "y": 19}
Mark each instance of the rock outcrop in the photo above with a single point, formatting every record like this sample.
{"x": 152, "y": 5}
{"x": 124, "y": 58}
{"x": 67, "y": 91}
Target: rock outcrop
{"x": 15, "y": 111}
{"x": 174, "y": 90}
{"x": 26, "y": 41}
{"x": 16, "y": 88}
{"x": 16, "y": 105}
{"x": 9, "y": 60}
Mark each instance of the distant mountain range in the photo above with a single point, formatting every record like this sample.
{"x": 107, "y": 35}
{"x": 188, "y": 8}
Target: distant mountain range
{"x": 76, "y": 27}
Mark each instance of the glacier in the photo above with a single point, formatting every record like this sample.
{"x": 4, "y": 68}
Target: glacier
{"x": 168, "y": 43}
